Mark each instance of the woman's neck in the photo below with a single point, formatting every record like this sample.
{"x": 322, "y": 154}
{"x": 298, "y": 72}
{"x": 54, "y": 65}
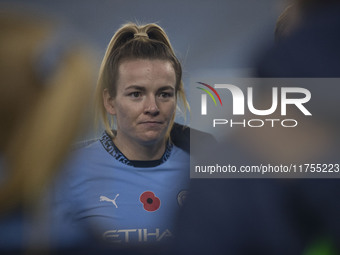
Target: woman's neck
{"x": 134, "y": 150}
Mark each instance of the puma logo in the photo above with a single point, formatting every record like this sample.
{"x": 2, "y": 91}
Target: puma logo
{"x": 113, "y": 201}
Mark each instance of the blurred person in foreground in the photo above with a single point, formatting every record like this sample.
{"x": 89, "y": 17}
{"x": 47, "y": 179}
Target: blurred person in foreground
{"x": 46, "y": 82}
{"x": 278, "y": 216}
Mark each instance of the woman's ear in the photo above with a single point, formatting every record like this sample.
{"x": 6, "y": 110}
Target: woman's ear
{"x": 108, "y": 102}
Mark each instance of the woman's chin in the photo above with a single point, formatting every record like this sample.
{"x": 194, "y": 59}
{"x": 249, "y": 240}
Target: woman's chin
{"x": 152, "y": 138}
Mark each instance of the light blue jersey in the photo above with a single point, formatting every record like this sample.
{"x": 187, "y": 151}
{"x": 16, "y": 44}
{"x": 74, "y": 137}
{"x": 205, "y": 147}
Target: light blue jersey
{"x": 126, "y": 201}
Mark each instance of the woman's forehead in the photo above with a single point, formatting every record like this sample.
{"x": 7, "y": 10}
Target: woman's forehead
{"x": 129, "y": 65}
{"x": 145, "y": 72}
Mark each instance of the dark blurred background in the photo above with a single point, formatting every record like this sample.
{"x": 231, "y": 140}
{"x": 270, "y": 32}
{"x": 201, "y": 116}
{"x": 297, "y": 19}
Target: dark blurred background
{"x": 206, "y": 34}
{"x": 212, "y": 39}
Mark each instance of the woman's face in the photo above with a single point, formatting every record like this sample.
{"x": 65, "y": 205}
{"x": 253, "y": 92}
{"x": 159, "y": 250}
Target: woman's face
{"x": 145, "y": 101}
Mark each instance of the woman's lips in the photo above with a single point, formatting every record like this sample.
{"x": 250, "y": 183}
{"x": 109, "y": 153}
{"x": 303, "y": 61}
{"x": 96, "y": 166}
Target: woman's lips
{"x": 152, "y": 123}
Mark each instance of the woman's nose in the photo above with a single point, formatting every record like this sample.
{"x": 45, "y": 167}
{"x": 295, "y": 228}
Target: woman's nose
{"x": 151, "y": 106}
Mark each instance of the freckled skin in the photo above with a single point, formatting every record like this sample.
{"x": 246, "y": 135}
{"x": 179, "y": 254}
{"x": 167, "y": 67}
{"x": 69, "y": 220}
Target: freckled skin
{"x": 145, "y": 102}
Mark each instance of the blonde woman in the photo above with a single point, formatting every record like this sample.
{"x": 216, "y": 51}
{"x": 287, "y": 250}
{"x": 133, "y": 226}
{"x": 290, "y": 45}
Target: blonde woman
{"x": 131, "y": 182}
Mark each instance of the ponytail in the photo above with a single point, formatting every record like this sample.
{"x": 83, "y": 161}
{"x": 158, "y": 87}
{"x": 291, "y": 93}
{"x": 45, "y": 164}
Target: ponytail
{"x": 132, "y": 41}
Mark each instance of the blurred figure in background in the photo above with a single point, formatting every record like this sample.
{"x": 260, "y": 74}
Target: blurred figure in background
{"x": 275, "y": 216}
{"x": 46, "y": 82}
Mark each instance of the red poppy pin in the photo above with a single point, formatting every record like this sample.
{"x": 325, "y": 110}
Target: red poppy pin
{"x": 150, "y": 202}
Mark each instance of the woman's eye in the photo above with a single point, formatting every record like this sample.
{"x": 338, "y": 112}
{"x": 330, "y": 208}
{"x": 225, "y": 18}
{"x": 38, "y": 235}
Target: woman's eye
{"x": 165, "y": 94}
{"x": 135, "y": 94}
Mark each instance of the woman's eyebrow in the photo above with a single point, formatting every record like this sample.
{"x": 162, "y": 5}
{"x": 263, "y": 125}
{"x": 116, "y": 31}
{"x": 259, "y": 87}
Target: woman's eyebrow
{"x": 141, "y": 88}
{"x": 166, "y": 88}
{"x": 135, "y": 87}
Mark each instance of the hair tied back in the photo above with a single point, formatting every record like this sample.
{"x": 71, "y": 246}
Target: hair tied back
{"x": 140, "y": 35}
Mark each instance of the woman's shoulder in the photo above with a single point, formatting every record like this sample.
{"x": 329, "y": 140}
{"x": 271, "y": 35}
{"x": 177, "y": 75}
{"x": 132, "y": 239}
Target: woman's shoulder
{"x": 84, "y": 154}
{"x": 84, "y": 143}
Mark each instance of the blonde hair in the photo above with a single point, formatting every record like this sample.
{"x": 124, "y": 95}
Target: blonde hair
{"x": 40, "y": 109}
{"x": 134, "y": 41}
